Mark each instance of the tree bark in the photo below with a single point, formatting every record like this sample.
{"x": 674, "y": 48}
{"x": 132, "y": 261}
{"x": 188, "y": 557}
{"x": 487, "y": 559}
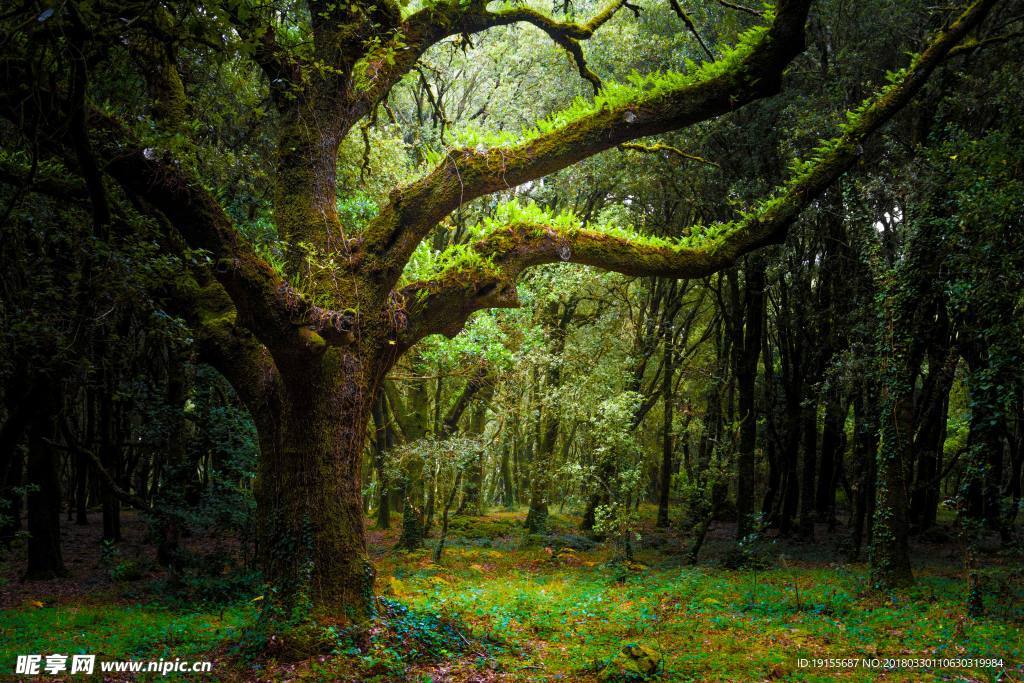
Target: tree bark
{"x": 311, "y": 541}
{"x": 890, "y": 552}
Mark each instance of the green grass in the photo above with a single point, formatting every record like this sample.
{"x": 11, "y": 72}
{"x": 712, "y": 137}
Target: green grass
{"x": 569, "y": 614}
{"x": 710, "y": 624}
{"x": 116, "y": 631}
{"x": 504, "y": 603}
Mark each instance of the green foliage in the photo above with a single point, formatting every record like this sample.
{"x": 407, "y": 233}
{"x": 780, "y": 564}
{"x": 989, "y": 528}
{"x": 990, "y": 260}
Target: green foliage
{"x": 357, "y": 210}
{"x": 483, "y": 340}
{"x": 405, "y": 636}
{"x": 615, "y": 445}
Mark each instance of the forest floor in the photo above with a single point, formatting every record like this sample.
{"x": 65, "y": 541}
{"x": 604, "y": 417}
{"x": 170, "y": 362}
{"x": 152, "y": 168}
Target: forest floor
{"x": 502, "y": 606}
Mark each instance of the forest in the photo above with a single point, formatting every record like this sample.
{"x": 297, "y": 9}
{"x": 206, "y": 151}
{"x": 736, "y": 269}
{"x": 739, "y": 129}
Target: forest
{"x": 511, "y": 340}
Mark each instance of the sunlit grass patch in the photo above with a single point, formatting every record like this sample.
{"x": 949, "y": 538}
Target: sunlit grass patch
{"x": 709, "y": 623}
{"x": 115, "y": 631}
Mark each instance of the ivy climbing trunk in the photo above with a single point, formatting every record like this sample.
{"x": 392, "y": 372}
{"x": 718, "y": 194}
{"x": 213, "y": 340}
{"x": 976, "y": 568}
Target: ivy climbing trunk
{"x": 890, "y": 553}
{"x": 311, "y": 541}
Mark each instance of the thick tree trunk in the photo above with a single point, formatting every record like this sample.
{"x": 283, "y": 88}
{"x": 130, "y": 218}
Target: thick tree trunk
{"x": 311, "y": 542}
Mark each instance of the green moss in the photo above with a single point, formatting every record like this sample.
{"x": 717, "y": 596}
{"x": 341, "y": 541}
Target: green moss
{"x": 214, "y": 307}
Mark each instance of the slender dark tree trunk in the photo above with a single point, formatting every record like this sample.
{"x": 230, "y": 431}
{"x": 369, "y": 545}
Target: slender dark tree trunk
{"x": 788, "y": 454}
{"x": 24, "y": 400}
{"x": 862, "y": 467}
{"x": 45, "y": 560}
{"x": 110, "y": 457}
{"x": 1016, "y": 447}
{"x": 473, "y": 493}
{"x": 180, "y": 475}
{"x": 548, "y": 422}
{"x": 985, "y": 450}
{"x": 929, "y": 440}
{"x": 443, "y": 535}
{"x": 747, "y": 350}
{"x": 415, "y": 426}
{"x": 809, "y": 451}
{"x": 81, "y": 488}
{"x": 831, "y": 458}
{"x": 772, "y": 446}
{"x": 11, "y": 497}
{"x": 381, "y": 444}
{"x": 667, "y": 444}
{"x": 507, "y": 482}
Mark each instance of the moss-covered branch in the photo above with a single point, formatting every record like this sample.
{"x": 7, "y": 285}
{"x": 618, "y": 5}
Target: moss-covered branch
{"x": 752, "y": 72}
{"x": 266, "y": 303}
{"x": 488, "y": 279}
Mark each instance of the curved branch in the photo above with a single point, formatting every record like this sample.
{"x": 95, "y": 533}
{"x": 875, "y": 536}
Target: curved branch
{"x": 442, "y": 305}
{"x": 266, "y": 303}
{"x": 429, "y": 26}
{"x": 659, "y": 148}
{"x": 232, "y": 350}
{"x": 692, "y": 27}
{"x": 575, "y": 50}
{"x": 741, "y": 8}
{"x": 466, "y": 174}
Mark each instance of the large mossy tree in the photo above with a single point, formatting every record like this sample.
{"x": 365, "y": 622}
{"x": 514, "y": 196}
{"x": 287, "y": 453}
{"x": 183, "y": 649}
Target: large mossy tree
{"x": 307, "y": 340}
